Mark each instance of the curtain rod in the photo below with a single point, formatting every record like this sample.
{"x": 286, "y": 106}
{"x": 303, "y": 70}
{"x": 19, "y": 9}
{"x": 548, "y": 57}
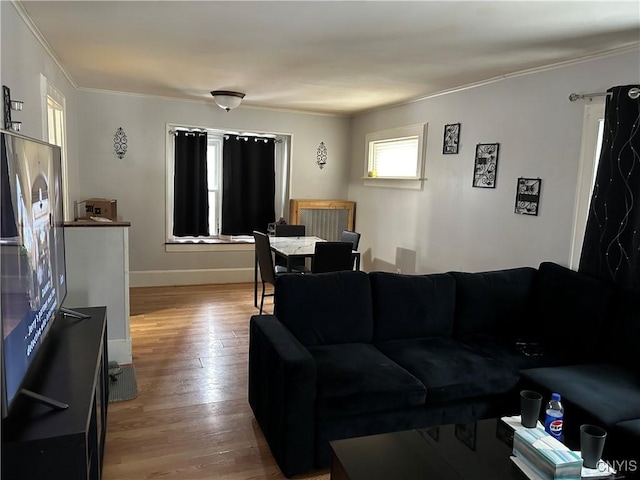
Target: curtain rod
{"x": 187, "y": 130}
{"x": 575, "y": 96}
{"x": 634, "y": 94}
{"x": 193, "y": 131}
{"x": 255, "y": 137}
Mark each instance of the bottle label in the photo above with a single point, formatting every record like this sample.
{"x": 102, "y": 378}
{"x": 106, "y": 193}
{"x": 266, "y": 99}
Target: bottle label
{"x": 555, "y": 428}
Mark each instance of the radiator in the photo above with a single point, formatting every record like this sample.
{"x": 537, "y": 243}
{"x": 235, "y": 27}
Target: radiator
{"x": 323, "y": 218}
{"x": 327, "y": 224}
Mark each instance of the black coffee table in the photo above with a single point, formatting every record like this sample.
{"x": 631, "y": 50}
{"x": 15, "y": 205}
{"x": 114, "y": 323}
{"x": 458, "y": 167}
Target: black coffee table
{"x": 475, "y": 451}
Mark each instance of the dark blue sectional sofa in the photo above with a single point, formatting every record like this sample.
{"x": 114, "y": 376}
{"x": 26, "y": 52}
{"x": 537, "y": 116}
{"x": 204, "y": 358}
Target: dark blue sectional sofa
{"x": 350, "y": 354}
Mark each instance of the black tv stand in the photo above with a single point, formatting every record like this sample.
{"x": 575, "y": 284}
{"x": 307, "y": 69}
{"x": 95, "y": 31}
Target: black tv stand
{"x": 67, "y": 312}
{"x": 50, "y": 402}
{"x": 39, "y": 443}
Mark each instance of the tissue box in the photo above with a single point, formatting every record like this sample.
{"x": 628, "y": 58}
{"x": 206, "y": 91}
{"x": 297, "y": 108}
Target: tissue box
{"x": 545, "y": 455}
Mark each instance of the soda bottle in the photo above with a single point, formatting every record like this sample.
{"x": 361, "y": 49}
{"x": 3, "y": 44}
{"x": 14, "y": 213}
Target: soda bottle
{"x": 554, "y": 418}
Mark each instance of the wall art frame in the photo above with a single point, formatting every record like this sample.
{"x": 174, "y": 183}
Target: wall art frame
{"x": 485, "y": 167}
{"x": 528, "y": 196}
{"x": 451, "y": 139}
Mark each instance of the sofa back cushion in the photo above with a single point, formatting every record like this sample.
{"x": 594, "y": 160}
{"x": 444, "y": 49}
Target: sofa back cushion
{"x": 496, "y": 302}
{"x": 326, "y": 308}
{"x": 412, "y": 306}
{"x": 623, "y": 325}
{"x": 571, "y": 307}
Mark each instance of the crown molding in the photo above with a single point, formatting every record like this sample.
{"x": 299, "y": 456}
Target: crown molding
{"x": 17, "y": 4}
{"x": 529, "y": 71}
{"x": 209, "y": 101}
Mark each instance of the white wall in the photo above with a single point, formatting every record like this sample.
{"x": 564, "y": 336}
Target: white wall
{"x": 452, "y": 226}
{"x": 138, "y": 180}
{"x": 22, "y": 62}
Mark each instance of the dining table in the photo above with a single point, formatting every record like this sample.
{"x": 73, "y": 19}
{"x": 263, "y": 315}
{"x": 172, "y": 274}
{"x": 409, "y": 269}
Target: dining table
{"x": 290, "y": 248}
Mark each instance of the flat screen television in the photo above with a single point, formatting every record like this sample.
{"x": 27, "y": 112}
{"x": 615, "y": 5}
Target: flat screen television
{"x": 32, "y": 258}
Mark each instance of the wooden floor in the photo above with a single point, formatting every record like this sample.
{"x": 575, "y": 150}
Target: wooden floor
{"x": 191, "y": 419}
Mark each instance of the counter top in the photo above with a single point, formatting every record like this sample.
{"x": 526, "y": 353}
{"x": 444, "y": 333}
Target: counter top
{"x": 95, "y": 223}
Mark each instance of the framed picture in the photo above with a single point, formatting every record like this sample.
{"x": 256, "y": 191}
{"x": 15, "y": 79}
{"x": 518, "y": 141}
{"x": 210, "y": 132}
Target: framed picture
{"x": 451, "y": 138}
{"x": 528, "y": 196}
{"x": 486, "y": 165}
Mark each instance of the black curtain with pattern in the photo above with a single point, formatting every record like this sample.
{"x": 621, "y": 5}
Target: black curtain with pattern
{"x": 611, "y": 248}
{"x": 190, "y": 192}
{"x": 248, "y": 185}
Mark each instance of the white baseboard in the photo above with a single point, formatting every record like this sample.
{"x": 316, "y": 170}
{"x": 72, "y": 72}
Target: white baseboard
{"x": 120, "y": 351}
{"x": 159, "y": 278}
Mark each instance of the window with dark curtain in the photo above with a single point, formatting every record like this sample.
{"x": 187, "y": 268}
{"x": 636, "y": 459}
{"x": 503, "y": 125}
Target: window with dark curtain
{"x": 611, "y": 249}
{"x": 248, "y": 184}
{"x": 190, "y": 193}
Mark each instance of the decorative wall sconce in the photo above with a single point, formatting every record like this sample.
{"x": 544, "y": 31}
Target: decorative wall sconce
{"x": 321, "y": 155}
{"x": 9, "y": 105}
{"x": 6, "y": 97}
{"x": 120, "y": 143}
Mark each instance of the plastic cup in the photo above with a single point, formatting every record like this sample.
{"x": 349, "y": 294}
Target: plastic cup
{"x": 591, "y": 444}
{"x": 530, "y": 403}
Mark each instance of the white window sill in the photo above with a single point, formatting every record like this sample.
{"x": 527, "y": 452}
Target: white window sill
{"x": 222, "y": 244}
{"x": 388, "y": 182}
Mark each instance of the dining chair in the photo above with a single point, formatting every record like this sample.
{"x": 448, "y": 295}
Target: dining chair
{"x": 332, "y": 257}
{"x": 353, "y": 237}
{"x": 284, "y": 230}
{"x": 265, "y": 262}
{"x": 297, "y": 264}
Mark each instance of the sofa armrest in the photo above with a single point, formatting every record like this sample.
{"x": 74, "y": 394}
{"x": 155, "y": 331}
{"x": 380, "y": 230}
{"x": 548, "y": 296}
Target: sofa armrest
{"x": 282, "y": 393}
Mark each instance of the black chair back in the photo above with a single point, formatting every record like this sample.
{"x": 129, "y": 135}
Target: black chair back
{"x": 353, "y": 237}
{"x": 332, "y": 257}
{"x": 265, "y": 262}
{"x": 285, "y": 230}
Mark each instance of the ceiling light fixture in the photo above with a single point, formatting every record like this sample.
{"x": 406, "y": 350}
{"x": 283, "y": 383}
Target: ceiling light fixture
{"x": 226, "y": 99}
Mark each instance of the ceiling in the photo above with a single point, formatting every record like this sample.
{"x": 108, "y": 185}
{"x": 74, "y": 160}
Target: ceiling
{"x": 337, "y": 57}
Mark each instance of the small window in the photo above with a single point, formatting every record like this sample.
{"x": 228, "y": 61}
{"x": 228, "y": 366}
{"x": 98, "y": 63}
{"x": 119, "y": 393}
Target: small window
{"x": 396, "y": 154}
{"x": 55, "y": 132}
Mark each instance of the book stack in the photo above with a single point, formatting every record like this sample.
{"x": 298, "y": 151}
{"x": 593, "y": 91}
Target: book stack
{"x": 546, "y": 456}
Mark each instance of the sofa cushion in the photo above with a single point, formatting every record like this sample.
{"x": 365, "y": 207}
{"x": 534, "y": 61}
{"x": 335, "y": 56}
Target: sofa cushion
{"x": 356, "y": 378}
{"x": 449, "y": 369}
{"x": 606, "y": 392}
{"x": 409, "y": 306}
{"x": 624, "y": 328}
{"x": 326, "y": 308}
{"x": 497, "y": 302}
{"x": 514, "y": 356}
{"x": 573, "y": 305}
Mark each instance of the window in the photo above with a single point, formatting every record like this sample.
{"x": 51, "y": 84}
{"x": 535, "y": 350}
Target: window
{"x": 215, "y": 142}
{"x": 55, "y": 131}
{"x": 395, "y": 155}
{"x": 214, "y": 182}
{"x": 592, "y": 131}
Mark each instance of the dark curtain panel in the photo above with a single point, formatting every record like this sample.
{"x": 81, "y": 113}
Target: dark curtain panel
{"x": 8, "y": 226}
{"x": 611, "y": 249}
{"x": 248, "y": 186}
{"x": 190, "y": 193}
